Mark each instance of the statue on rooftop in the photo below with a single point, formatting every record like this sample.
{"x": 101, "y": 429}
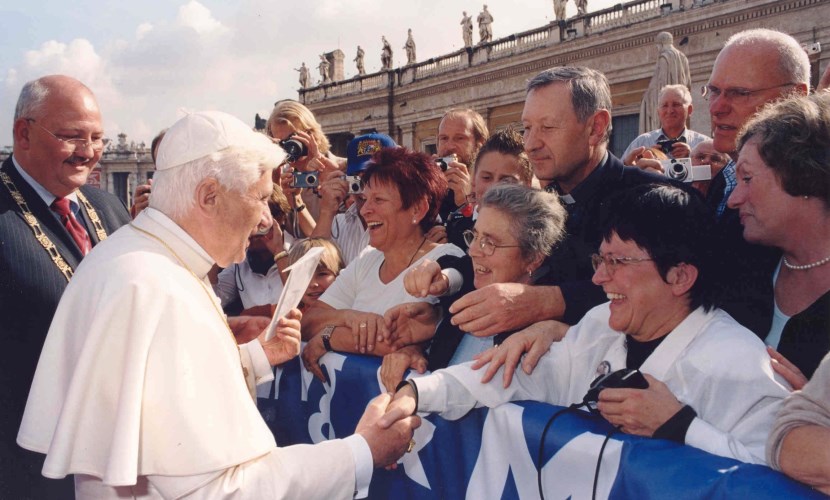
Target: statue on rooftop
{"x": 303, "y": 75}
{"x": 485, "y": 28}
{"x": 559, "y": 9}
{"x": 358, "y": 59}
{"x": 385, "y": 54}
{"x": 467, "y": 29}
{"x": 410, "y": 48}
{"x": 324, "y": 69}
{"x": 581, "y": 7}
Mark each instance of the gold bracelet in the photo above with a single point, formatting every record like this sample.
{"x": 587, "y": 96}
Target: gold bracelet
{"x": 280, "y": 255}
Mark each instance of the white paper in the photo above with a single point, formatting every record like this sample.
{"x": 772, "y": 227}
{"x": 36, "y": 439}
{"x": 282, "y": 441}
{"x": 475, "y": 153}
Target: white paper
{"x": 295, "y": 286}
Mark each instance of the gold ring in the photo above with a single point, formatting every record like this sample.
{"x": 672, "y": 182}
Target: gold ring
{"x": 411, "y": 446}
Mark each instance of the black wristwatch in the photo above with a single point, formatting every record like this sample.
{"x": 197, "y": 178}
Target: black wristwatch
{"x": 325, "y": 336}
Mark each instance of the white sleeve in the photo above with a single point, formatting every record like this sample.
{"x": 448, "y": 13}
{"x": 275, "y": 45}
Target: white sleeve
{"x": 454, "y": 391}
{"x": 324, "y": 470}
{"x": 262, "y": 369}
{"x": 225, "y": 287}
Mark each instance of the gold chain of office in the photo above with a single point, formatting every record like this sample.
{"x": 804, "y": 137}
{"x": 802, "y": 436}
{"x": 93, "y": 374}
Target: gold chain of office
{"x": 40, "y": 236}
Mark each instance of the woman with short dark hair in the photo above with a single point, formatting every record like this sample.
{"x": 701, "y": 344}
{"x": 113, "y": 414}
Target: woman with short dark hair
{"x": 402, "y": 191}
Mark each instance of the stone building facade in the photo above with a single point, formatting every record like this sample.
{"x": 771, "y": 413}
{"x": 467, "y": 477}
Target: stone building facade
{"x": 407, "y": 102}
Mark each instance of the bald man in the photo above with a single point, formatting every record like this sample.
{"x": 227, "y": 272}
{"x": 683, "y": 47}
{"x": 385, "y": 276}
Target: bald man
{"x": 48, "y": 221}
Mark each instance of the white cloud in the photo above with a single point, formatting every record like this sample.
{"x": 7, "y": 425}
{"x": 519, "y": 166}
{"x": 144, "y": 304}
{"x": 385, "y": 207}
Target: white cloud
{"x": 236, "y": 57}
{"x": 197, "y": 16}
{"x": 142, "y": 30}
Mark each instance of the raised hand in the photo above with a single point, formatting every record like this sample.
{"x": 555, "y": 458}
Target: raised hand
{"x": 425, "y": 279}
{"x": 410, "y": 323}
{"x": 535, "y": 341}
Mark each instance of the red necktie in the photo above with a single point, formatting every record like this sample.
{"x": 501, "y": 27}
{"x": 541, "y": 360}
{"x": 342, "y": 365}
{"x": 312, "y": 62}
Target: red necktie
{"x": 61, "y": 207}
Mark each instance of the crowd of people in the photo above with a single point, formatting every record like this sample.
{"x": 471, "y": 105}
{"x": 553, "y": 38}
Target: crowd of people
{"x": 512, "y": 265}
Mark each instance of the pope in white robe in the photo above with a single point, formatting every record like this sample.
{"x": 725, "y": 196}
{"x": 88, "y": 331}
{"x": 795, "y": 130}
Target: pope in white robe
{"x": 140, "y": 391}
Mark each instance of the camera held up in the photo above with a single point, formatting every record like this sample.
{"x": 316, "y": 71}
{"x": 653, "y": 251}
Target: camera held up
{"x": 293, "y": 148}
{"x": 306, "y": 179}
{"x": 444, "y": 163}
{"x": 355, "y": 184}
{"x": 681, "y": 169}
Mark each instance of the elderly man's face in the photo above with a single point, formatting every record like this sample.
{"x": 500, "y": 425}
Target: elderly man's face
{"x": 705, "y": 154}
{"x": 642, "y": 303}
{"x": 456, "y": 136}
{"x": 241, "y": 215}
{"x": 673, "y": 111}
{"x": 68, "y": 113}
{"x": 557, "y": 143}
{"x": 749, "y": 68}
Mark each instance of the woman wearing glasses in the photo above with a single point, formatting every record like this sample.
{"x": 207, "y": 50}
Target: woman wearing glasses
{"x": 710, "y": 383}
{"x": 515, "y": 230}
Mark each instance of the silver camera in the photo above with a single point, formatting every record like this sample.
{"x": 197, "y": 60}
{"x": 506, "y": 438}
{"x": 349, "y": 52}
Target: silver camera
{"x": 444, "y": 163}
{"x": 355, "y": 184}
{"x": 681, "y": 169}
{"x": 306, "y": 179}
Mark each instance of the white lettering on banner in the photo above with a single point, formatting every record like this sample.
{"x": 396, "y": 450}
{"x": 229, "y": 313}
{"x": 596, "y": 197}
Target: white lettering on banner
{"x": 568, "y": 474}
{"x": 503, "y": 448}
{"x": 332, "y": 363}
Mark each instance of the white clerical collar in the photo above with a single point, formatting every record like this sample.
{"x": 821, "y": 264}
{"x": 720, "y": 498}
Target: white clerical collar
{"x": 44, "y": 193}
{"x": 191, "y": 252}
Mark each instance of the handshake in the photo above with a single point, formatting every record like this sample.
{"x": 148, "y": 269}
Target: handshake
{"x": 388, "y": 425}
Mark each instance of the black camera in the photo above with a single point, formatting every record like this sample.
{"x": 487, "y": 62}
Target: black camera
{"x": 666, "y": 145}
{"x": 627, "y": 378}
{"x": 444, "y": 163}
{"x": 355, "y": 184}
{"x": 293, "y": 148}
{"x": 306, "y": 179}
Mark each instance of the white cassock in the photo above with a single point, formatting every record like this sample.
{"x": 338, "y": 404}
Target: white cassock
{"x": 139, "y": 389}
{"x": 708, "y": 361}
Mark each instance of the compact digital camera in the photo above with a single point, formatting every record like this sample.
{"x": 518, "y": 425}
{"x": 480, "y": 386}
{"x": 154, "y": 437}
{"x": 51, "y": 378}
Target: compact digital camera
{"x": 627, "y": 378}
{"x": 306, "y": 179}
{"x": 681, "y": 169}
{"x": 293, "y": 148}
{"x": 444, "y": 163}
{"x": 355, "y": 184}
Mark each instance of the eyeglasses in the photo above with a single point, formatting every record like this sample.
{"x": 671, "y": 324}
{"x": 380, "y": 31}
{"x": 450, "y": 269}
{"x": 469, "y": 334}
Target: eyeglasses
{"x": 486, "y": 245}
{"x": 75, "y": 144}
{"x": 740, "y": 95}
{"x": 611, "y": 263}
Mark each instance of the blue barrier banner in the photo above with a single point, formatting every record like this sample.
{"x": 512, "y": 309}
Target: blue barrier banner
{"x": 493, "y": 453}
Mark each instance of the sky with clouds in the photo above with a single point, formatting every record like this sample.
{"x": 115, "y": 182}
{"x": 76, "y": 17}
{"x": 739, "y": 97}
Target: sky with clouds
{"x": 147, "y": 60}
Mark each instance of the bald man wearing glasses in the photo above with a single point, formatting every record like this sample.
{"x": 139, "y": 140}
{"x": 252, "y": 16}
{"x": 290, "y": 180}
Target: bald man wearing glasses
{"x": 48, "y": 222}
{"x": 755, "y": 67}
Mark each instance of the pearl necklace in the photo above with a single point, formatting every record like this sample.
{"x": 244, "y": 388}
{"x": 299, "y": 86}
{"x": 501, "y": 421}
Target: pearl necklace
{"x": 806, "y": 266}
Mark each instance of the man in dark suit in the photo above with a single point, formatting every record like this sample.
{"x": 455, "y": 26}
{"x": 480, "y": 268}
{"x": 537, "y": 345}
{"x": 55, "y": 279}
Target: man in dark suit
{"x": 57, "y": 142}
{"x": 567, "y": 124}
{"x": 754, "y": 68}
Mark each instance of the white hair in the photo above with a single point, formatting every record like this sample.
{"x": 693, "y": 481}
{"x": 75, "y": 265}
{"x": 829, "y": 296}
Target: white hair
{"x": 680, "y": 89}
{"x": 793, "y": 61}
{"x": 236, "y": 169}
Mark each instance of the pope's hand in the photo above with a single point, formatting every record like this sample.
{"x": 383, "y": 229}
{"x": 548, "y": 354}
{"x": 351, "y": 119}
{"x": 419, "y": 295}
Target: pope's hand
{"x": 388, "y": 441}
{"x": 285, "y": 344}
